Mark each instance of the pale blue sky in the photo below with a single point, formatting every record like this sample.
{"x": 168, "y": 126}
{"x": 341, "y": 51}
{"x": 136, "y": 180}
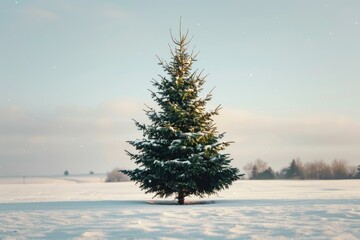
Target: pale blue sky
{"x": 74, "y": 73}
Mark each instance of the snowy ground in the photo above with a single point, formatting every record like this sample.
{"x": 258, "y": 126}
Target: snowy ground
{"x": 62, "y": 209}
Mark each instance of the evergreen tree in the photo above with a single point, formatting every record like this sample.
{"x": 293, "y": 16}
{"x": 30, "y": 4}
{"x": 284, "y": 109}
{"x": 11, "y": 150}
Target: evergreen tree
{"x": 294, "y": 170}
{"x": 180, "y": 150}
{"x": 357, "y": 176}
{"x": 254, "y": 172}
{"x": 267, "y": 174}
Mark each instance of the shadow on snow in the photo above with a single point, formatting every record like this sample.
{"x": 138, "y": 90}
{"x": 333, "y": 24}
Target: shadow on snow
{"x": 113, "y": 204}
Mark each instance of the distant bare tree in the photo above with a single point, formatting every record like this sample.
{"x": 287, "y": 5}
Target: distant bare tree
{"x": 340, "y": 169}
{"x": 116, "y": 176}
{"x": 353, "y": 171}
{"x": 253, "y": 169}
{"x": 248, "y": 168}
{"x": 317, "y": 170}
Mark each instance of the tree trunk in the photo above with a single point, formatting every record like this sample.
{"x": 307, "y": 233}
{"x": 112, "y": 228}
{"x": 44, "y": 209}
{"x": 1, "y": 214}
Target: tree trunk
{"x": 181, "y": 198}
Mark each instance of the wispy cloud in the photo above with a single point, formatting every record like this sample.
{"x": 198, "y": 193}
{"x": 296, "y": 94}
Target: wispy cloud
{"x": 74, "y": 136}
{"x": 39, "y": 14}
{"x": 303, "y": 130}
{"x": 278, "y": 139}
{"x": 108, "y": 10}
{"x": 81, "y": 137}
{"x": 115, "y": 12}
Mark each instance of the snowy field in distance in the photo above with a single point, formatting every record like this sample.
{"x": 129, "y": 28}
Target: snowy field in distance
{"x": 87, "y": 208}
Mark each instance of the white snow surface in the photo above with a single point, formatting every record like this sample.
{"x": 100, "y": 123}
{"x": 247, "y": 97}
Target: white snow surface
{"x": 85, "y": 208}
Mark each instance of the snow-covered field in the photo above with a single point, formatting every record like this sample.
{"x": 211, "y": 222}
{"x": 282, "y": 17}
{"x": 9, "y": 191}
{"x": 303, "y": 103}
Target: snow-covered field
{"x": 86, "y": 208}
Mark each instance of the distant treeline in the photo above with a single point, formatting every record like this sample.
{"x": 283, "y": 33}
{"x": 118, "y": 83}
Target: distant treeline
{"x": 337, "y": 169}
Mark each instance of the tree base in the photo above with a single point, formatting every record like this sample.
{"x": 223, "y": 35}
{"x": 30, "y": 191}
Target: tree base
{"x": 181, "y": 198}
{"x": 172, "y": 202}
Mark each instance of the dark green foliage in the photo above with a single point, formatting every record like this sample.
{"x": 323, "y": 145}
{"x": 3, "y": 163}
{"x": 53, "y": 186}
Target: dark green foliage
{"x": 254, "y": 172}
{"x": 294, "y": 171}
{"x": 357, "y": 176}
{"x": 180, "y": 150}
{"x": 267, "y": 174}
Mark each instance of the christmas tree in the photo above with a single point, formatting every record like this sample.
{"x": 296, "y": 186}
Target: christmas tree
{"x": 180, "y": 153}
